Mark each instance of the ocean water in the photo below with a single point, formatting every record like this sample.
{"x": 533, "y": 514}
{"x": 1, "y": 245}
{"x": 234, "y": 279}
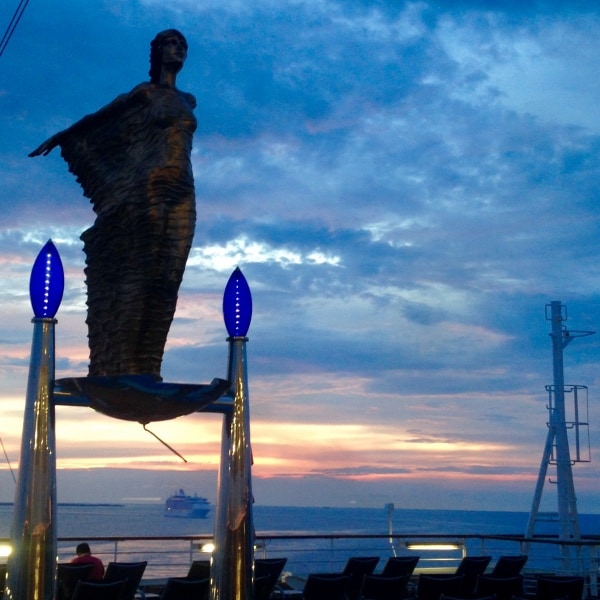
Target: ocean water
{"x": 309, "y": 555}
{"x": 133, "y": 520}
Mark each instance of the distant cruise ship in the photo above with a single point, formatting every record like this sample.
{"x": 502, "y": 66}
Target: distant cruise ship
{"x": 187, "y": 507}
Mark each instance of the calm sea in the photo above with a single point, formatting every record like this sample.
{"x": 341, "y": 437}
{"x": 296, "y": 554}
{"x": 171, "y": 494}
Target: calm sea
{"x": 89, "y": 521}
{"x": 148, "y": 520}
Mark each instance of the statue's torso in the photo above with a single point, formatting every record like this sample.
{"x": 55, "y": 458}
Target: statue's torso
{"x": 164, "y": 124}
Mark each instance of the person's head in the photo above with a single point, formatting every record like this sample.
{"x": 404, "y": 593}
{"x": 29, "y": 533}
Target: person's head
{"x": 157, "y": 46}
{"x": 83, "y": 548}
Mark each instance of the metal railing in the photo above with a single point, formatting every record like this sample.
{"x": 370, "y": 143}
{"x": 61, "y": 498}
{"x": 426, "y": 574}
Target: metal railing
{"x": 172, "y": 556}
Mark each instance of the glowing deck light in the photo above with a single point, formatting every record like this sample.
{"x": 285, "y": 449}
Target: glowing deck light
{"x": 237, "y": 305}
{"x": 47, "y": 282}
{"x": 436, "y": 546}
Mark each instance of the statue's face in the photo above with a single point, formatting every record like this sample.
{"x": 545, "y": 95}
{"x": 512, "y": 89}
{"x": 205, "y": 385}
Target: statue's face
{"x": 174, "y": 50}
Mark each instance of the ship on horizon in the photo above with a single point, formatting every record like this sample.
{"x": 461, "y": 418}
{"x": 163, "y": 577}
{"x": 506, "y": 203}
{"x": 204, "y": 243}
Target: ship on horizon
{"x": 183, "y": 506}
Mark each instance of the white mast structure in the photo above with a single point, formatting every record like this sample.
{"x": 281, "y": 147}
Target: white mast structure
{"x": 557, "y": 449}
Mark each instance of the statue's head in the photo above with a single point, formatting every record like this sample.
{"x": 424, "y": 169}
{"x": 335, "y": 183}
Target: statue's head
{"x": 156, "y": 51}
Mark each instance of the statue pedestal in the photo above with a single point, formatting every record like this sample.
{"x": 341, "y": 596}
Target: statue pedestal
{"x": 138, "y": 398}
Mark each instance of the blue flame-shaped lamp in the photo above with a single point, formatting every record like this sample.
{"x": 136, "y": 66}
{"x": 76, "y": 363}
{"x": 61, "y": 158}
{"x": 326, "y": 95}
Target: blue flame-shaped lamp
{"x": 47, "y": 282}
{"x": 237, "y": 305}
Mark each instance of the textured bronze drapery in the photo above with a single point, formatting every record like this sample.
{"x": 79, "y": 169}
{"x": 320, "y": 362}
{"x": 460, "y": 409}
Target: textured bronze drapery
{"x": 132, "y": 159}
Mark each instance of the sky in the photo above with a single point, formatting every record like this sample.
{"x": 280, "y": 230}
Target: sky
{"x": 405, "y": 186}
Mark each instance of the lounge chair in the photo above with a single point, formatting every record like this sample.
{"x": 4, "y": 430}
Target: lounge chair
{"x": 321, "y": 586}
{"x": 551, "y": 587}
{"x": 400, "y": 565}
{"x": 509, "y": 566}
{"x": 380, "y": 587}
{"x": 67, "y": 576}
{"x": 431, "y": 587}
{"x": 360, "y": 564}
{"x": 267, "y": 572}
{"x": 199, "y": 569}
{"x": 504, "y": 588}
{"x": 471, "y": 567}
{"x": 263, "y": 587}
{"x": 130, "y": 571}
{"x": 99, "y": 590}
{"x": 182, "y": 588}
{"x": 269, "y": 567}
{"x": 356, "y": 568}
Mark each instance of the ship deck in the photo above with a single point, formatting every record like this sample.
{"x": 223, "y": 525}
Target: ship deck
{"x": 314, "y": 553}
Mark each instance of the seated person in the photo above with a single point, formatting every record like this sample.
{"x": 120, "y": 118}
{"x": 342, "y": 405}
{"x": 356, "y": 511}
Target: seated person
{"x": 84, "y": 557}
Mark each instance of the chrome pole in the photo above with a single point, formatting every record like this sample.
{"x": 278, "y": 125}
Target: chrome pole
{"x": 233, "y": 556}
{"x": 32, "y": 563}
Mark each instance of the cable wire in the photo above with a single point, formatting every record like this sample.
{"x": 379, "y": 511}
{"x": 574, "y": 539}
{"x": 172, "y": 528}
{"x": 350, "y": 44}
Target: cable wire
{"x": 164, "y": 443}
{"x": 8, "y": 461}
{"x": 13, "y": 25}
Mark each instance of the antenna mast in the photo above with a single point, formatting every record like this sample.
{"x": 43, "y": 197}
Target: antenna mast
{"x": 557, "y": 450}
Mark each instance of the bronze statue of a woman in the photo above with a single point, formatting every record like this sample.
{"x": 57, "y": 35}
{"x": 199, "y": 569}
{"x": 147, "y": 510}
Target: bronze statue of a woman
{"x": 132, "y": 159}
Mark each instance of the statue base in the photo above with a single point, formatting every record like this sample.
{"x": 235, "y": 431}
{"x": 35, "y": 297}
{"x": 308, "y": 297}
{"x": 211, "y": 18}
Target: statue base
{"x": 138, "y": 398}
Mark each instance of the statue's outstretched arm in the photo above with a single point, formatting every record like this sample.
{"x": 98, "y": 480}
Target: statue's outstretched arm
{"x": 47, "y": 146}
{"x": 90, "y": 121}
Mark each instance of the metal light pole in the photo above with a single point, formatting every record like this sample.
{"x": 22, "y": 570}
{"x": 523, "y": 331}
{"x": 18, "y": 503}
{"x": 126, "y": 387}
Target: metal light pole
{"x": 31, "y": 573}
{"x": 32, "y": 564}
{"x": 233, "y": 556}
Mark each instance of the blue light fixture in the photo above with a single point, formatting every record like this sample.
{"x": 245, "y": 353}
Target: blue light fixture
{"x": 47, "y": 282}
{"x": 237, "y": 305}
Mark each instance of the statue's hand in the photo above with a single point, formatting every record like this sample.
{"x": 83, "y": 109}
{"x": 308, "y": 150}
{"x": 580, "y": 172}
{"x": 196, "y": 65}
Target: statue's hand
{"x": 47, "y": 146}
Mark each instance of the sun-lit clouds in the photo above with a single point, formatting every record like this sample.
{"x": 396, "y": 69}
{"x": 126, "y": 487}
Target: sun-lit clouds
{"x": 123, "y": 444}
{"x": 198, "y": 320}
{"x": 304, "y": 449}
{"x": 242, "y": 251}
{"x": 337, "y": 446}
{"x": 155, "y": 462}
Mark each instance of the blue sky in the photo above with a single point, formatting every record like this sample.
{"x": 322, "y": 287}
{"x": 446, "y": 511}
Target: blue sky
{"x": 405, "y": 186}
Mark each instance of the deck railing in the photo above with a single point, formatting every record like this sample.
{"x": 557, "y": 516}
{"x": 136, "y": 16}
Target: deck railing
{"x": 171, "y": 556}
